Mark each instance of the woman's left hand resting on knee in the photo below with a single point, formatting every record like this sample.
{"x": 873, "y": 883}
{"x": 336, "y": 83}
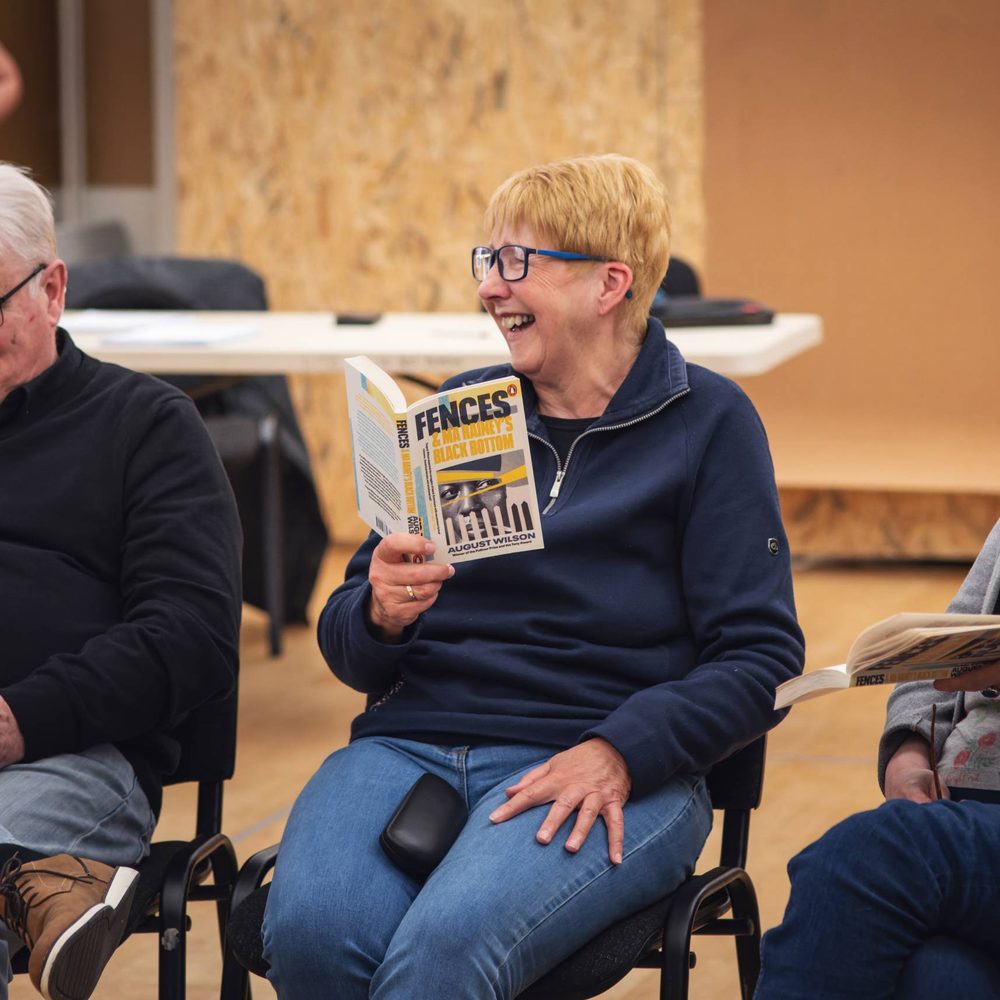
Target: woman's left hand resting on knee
{"x": 590, "y": 778}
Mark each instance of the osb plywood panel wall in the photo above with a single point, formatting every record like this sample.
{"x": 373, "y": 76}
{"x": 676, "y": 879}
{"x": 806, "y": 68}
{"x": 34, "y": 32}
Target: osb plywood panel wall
{"x": 346, "y": 149}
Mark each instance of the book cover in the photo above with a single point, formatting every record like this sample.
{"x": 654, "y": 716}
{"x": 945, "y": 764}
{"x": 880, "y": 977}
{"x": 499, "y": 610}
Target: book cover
{"x": 454, "y": 466}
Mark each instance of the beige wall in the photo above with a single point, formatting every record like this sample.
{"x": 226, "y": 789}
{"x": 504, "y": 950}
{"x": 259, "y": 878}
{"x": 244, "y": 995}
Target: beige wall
{"x": 852, "y": 153}
{"x": 346, "y": 150}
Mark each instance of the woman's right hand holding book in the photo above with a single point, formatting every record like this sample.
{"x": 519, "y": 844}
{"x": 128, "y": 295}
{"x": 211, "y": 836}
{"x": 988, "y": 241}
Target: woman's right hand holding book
{"x": 403, "y": 585}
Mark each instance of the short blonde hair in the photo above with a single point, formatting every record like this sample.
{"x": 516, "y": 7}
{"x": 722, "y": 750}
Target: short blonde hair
{"x": 609, "y": 205}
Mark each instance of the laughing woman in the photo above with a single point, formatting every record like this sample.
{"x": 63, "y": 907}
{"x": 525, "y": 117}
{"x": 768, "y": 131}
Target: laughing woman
{"x": 574, "y": 696}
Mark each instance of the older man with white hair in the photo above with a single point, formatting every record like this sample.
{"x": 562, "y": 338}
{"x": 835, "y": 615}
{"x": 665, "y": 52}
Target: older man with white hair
{"x": 119, "y": 611}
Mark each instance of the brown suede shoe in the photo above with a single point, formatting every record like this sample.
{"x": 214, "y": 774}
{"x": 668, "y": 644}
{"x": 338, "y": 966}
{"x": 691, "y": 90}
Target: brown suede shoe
{"x": 71, "y": 913}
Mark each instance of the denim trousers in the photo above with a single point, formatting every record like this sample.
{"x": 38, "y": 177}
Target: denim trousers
{"x": 343, "y": 922}
{"x": 88, "y": 804}
{"x": 901, "y": 901}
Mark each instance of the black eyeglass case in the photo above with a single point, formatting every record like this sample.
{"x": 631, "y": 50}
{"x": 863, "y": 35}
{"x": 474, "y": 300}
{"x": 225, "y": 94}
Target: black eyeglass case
{"x": 424, "y": 826}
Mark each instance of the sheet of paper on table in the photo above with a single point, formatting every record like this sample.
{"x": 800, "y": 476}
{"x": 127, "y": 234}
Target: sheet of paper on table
{"x": 159, "y": 329}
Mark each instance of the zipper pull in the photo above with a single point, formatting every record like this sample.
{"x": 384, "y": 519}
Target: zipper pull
{"x": 554, "y": 492}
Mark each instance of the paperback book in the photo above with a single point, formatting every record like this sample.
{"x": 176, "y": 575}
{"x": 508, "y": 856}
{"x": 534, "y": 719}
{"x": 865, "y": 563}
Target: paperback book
{"x": 454, "y": 467}
{"x": 905, "y": 647}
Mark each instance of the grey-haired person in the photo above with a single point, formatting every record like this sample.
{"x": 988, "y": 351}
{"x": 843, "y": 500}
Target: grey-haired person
{"x": 119, "y": 611}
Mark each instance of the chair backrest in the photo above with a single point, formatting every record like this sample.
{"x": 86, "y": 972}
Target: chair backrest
{"x": 207, "y": 739}
{"x": 736, "y": 784}
{"x": 164, "y": 283}
{"x": 737, "y": 781}
{"x": 79, "y": 242}
{"x": 680, "y": 279}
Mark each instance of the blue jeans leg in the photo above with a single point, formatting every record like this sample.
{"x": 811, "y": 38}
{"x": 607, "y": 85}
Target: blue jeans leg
{"x": 871, "y": 893}
{"x": 88, "y": 804}
{"x": 934, "y": 969}
{"x": 333, "y": 886}
{"x": 496, "y": 914}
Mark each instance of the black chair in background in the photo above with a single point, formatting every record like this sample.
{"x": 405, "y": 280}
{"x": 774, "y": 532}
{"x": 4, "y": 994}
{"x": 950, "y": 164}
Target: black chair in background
{"x": 251, "y": 420}
{"x": 92, "y": 240}
{"x": 176, "y": 871}
{"x": 250, "y": 451}
{"x": 680, "y": 279}
{"x": 721, "y": 901}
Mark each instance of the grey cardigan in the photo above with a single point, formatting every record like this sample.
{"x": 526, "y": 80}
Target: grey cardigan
{"x": 909, "y": 708}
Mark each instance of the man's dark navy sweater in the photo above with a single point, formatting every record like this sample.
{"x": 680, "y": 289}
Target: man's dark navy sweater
{"x": 119, "y": 563}
{"x": 658, "y": 616}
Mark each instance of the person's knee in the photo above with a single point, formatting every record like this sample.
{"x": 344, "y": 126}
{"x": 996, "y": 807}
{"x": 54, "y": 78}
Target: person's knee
{"x": 944, "y": 966}
{"x": 861, "y": 842}
{"x": 312, "y": 931}
{"x": 455, "y": 953}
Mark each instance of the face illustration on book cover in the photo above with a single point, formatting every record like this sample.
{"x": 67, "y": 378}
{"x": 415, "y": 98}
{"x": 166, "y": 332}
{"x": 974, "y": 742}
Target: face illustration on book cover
{"x": 485, "y": 498}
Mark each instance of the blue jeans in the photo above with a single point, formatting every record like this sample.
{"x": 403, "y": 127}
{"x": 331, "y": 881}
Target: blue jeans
{"x": 901, "y": 901}
{"x": 500, "y": 910}
{"x": 88, "y": 804}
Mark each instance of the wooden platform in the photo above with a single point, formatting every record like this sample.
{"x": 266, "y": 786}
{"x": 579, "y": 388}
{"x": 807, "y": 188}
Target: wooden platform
{"x": 829, "y": 523}
{"x": 821, "y": 764}
{"x": 926, "y": 490}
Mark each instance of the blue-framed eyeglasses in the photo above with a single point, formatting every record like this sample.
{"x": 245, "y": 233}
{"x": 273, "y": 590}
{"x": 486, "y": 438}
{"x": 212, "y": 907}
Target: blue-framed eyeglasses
{"x": 4, "y": 299}
{"x": 512, "y": 260}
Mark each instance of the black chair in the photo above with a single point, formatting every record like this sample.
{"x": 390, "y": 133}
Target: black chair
{"x": 80, "y": 241}
{"x": 680, "y": 279}
{"x": 250, "y": 451}
{"x": 251, "y": 420}
{"x": 721, "y": 901}
{"x": 176, "y": 871}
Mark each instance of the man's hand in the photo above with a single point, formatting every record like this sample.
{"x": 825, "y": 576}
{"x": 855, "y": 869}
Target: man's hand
{"x": 908, "y": 774}
{"x": 403, "y": 585}
{"x": 590, "y": 778}
{"x": 11, "y": 740}
{"x": 974, "y": 680}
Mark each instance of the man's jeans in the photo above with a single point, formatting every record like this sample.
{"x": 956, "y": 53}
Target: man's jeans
{"x": 89, "y": 805}
{"x": 496, "y": 913}
{"x": 901, "y": 901}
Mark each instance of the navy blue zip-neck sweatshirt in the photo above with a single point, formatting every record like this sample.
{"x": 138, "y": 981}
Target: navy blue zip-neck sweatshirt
{"x": 658, "y": 616}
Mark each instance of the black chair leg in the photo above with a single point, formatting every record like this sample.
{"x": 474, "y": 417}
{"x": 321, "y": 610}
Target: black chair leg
{"x": 224, "y": 873}
{"x": 679, "y": 923}
{"x": 173, "y": 957}
{"x": 271, "y": 521}
{"x": 235, "y": 980}
{"x": 745, "y": 908}
{"x": 675, "y": 973}
{"x": 177, "y": 889}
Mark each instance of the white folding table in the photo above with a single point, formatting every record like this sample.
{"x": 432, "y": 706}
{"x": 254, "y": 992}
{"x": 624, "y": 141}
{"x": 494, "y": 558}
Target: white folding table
{"x": 248, "y": 343}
